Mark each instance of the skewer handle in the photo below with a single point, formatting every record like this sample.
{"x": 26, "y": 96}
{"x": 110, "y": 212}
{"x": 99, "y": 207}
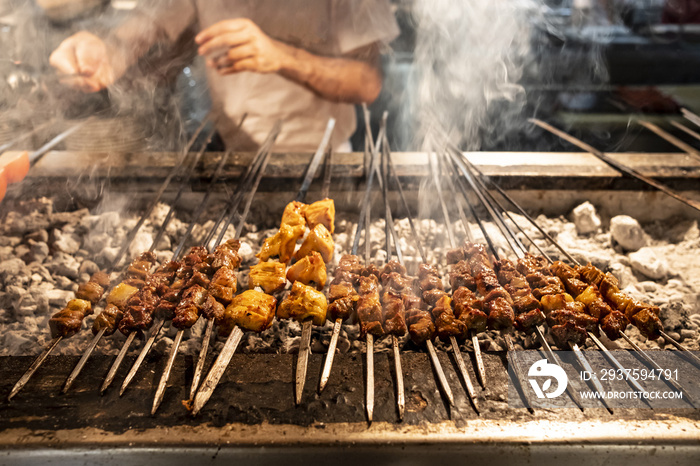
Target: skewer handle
{"x": 594, "y": 379}
{"x": 369, "y": 399}
{"x": 117, "y": 363}
{"x": 202, "y": 358}
{"x": 463, "y": 372}
{"x": 441, "y": 374}
{"x": 142, "y": 355}
{"x": 400, "y": 392}
{"x": 481, "y": 369}
{"x": 160, "y": 391}
{"x": 86, "y": 355}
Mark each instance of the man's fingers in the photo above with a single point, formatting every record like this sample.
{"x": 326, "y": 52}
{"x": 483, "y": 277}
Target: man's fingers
{"x": 248, "y": 64}
{"x": 220, "y": 44}
{"x": 63, "y": 59}
{"x": 222, "y": 27}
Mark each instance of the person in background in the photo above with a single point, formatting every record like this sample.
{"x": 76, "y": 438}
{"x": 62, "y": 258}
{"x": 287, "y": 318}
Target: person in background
{"x": 302, "y": 61}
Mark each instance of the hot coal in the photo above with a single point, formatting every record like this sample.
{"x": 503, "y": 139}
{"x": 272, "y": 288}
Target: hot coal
{"x": 44, "y": 255}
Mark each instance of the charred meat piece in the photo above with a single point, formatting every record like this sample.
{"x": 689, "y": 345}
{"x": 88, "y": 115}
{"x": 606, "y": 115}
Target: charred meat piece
{"x": 90, "y": 291}
{"x": 477, "y": 257}
{"x": 527, "y": 321}
{"x": 212, "y": 308}
{"x": 614, "y": 324}
{"x": 431, "y": 297}
{"x": 531, "y": 264}
{"x": 320, "y": 240}
{"x": 568, "y": 333}
{"x": 391, "y": 267}
{"x": 251, "y": 310}
{"x": 369, "y": 309}
{"x": 270, "y": 276}
{"x": 321, "y": 212}
{"x": 561, "y": 316}
{"x": 351, "y": 264}
{"x": 310, "y": 269}
{"x": 446, "y": 325}
{"x": 302, "y": 303}
{"x": 591, "y": 274}
{"x": 138, "y": 314}
{"x": 187, "y": 310}
{"x": 370, "y": 270}
{"x": 343, "y": 300}
{"x": 486, "y": 282}
{"x": 419, "y": 322}
{"x": 223, "y": 285}
{"x": 139, "y": 268}
{"x": 226, "y": 255}
{"x": 570, "y": 277}
{"x": 454, "y": 256}
{"x": 460, "y": 275}
{"x": 394, "y": 313}
{"x": 108, "y": 320}
{"x": 428, "y": 278}
{"x": 67, "y": 322}
{"x": 499, "y": 314}
{"x": 648, "y": 323}
{"x": 467, "y": 308}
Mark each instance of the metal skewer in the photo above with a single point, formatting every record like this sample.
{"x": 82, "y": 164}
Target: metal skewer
{"x": 160, "y": 391}
{"x": 305, "y": 345}
{"x": 687, "y": 148}
{"x": 32, "y": 158}
{"x": 24, "y": 136}
{"x": 690, "y": 116}
{"x": 618, "y": 166}
{"x": 453, "y": 244}
{"x": 687, "y": 130}
{"x": 224, "y": 358}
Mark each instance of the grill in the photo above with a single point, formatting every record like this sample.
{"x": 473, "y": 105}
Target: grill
{"x": 252, "y": 411}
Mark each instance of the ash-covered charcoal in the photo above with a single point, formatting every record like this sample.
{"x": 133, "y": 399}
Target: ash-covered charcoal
{"x": 41, "y": 269}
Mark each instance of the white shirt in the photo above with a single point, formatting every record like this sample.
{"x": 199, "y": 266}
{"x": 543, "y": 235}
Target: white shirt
{"x": 322, "y": 27}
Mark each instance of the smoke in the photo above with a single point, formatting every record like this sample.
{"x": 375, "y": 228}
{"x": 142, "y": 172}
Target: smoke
{"x": 469, "y": 58}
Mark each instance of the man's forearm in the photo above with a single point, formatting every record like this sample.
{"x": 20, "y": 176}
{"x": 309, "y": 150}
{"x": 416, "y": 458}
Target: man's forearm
{"x": 336, "y": 79}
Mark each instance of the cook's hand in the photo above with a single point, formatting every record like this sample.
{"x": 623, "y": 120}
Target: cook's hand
{"x": 82, "y": 62}
{"x": 236, "y": 45}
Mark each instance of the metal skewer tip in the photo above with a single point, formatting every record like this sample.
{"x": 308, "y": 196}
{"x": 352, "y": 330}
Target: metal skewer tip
{"x": 481, "y": 369}
{"x": 142, "y": 355}
{"x": 33, "y": 368}
{"x": 202, "y": 358}
{"x": 440, "y": 373}
{"x": 217, "y": 370}
{"x": 463, "y": 372}
{"x": 160, "y": 391}
{"x": 369, "y": 401}
{"x": 86, "y": 355}
{"x": 117, "y": 362}
{"x": 303, "y": 360}
{"x": 400, "y": 392}
{"x": 325, "y": 375}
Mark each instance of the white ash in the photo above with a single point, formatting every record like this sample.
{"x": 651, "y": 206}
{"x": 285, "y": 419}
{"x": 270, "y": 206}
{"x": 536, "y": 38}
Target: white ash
{"x": 586, "y": 218}
{"x": 627, "y": 232}
{"x": 38, "y": 276}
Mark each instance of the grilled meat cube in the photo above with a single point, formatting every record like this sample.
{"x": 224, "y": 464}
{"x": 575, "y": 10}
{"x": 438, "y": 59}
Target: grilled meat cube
{"x": 614, "y": 324}
{"x": 343, "y": 300}
{"x": 212, "y": 309}
{"x": 108, "y": 319}
{"x": 454, "y": 256}
{"x": 187, "y": 311}
{"x": 310, "y": 269}
{"x": 499, "y": 292}
{"x": 321, "y": 212}
{"x": 486, "y": 282}
{"x": 431, "y": 297}
{"x": 350, "y": 263}
{"x": 90, "y": 291}
{"x": 568, "y": 333}
{"x": 428, "y": 278}
{"x": 474, "y": 319}
{"x": 477, "y": 257}
{"x": 223, "y": 285}
{"x": 369, "y": 309}
{"x": 138, "y": 314}
{"x": 411, "y": 301}
{"x": 67, "y": 322}
{"x": 531, "y": 264}
{"x": 320, "y": 240}
{"x": 120, "y": 294}
{"x": 344, "y": 276}
{"x": 591, "y": 274}
{"x": 163, "y": 276}
{"x": 270, "y": 276}
{"x": 226, "y": 255}
{"x": 139, "y": 268}
{"x": 460, "y": 275}
{"x": 570, "y": 277}
{"x": 552, "y": 302}
{"x": 293, "y": 215}
{"x": 527, "y": 321}
{"x": 370, "y": 270}
{"x": 505, "y": 270}
{"x": 397, "y": 282}
{"x": 391, "y": 267}
{"x": 595, "y": 305}
{"x": 648, "y": 323}
{"x": 394, "y": 313}
{"x": 446, "y": 325}
{"x": 499, "y": 314}
{"x": 464, "y": 299}
{"x": 251, "y": 310}
{"x": 561, "y": 316}
{"x": 420, "y": 325}
{"x": 282, "y": 244}
{"x": 198, "y": 277}
{"x": 165, "y": 309}
{"x": 302, "y": 303}
{"x": 101, "y": 278}
{"x": 196, "y": 255}
{"x": 526, "y": 303}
